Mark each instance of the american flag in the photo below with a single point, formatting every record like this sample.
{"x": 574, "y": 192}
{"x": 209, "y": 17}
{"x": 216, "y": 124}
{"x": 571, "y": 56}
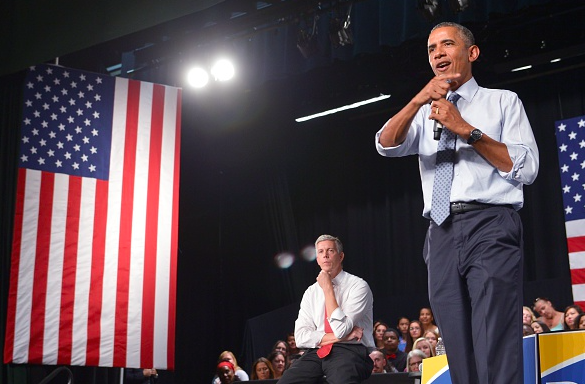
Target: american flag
{"x": 93, "y": 273}
{"x": 571, "y": 144}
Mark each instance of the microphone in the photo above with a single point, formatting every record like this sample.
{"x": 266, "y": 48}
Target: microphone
{"x": 437, "y": 129}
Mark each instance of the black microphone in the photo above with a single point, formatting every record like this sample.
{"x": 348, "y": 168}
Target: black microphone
{"x": 437, "y": 129}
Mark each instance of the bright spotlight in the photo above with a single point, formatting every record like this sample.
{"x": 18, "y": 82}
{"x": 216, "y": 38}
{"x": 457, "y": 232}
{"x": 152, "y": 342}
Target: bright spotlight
{"x": 309, "y": 253}
{"x": 284, "y": 260}
{"x": 223, "y": 70}
{"x": 198, "y": 77}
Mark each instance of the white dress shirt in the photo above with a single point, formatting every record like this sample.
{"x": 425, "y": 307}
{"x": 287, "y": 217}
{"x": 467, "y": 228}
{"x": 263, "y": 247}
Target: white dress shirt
{"x": 500, "y": 115}
{"x": 355, "y": 301}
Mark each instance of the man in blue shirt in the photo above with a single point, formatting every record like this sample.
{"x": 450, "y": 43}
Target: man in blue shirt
{"x": 473, "y": 248}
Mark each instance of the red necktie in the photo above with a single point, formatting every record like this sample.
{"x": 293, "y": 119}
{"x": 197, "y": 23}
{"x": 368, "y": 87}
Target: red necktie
{"x": 325, "y": 349}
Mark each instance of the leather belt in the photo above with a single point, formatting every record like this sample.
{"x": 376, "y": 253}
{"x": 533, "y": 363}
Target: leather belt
{"x": 457, "y": 208}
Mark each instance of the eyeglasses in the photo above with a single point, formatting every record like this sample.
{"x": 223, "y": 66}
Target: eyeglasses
{"x": 414, "y": 328}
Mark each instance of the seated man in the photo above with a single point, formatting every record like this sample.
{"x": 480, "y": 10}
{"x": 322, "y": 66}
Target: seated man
{"x": 334, "y": 323}
{"x": 548, "y": 314}
{"x": 394, "y": 355}
{"x": 379, "y": 362}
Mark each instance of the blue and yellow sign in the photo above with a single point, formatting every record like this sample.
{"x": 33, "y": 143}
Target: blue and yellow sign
{"x": 436, "y": 370}
{"x": 562, "y": 357}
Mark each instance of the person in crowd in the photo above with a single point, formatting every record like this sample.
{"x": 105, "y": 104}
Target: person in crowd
{"x": 294, "y": 352}
{"x": 379, "y": 361}
{"x": 432, "y": 337}
{"x": 239, "y": 372}
{"x": 335, "y": 325}
{"x": 414, "y": 359}
{"x": 476, "y": 150}
{"x": 527, "y": 330}
{"x": 427, "y": 320}
{"x": 423, "y": 344}
{"x": 527, "y": 315}
{"x": 279, "y": 364}
{"x": 548, "y": 314}
{"x": 262, "y": 369}
{"x": 281, "y": 346}
{"x": 581, "y": 321}
{"x": 571, "y": 313}
{"x": 140, "y": 375}
{"x": 379, "y": 329}
{"x": 414, "y": 332}
{"x": 539, "y": 327}
{"x": 226, "y": 372}
{"x": 391, "y": 352}
{"x": 402, "y": 326}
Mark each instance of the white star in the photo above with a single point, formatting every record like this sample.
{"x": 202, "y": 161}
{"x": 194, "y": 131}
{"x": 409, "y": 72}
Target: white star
{"x": 60, "y": 145}
{"x": 70, "y": 119}
{"x": 574, "y": 156}
{"x": 92, "y": 168}
{"x": 82, "y": 77}
{"x": 29, "y": 103}
{"x": 85, "y": 140}
{"x": 63, "y": 109}
{"x": 575, "y": 176}
{"x": 566, "y": 189}
{"x": 88, "y": 104}
{"x": 38, "y": 96}
{"x": 43, "y": 142}
{"x": 81, "y": 95}
{"x": 87, "y": 122}
{"x": 64, "y": 92}
{"x": 72, "y": 102}
{"x": 27, "y": 121}
{"x": 577, "y": 197}
{"x": 25, "y": 139}
{"x": 39, "y": 78}
{"x": 572, "y": 135}
{"x": 78, "y": 129}
{"x": 69, "y": 137}
{"x": 52, "y": 135}
{"x": 568, "y": 210}
{"x": 89, "y": 87}
{"x": 55, "y": 99}
{"x": 61, "y": 127}
{"x": 94, "y": 132}
{"x": 47, "y": 88}
{"x": 30, "y": 85}
{"x": 46, "y": 106}
{"x": 49, "y": 70}
{"x": 51, "y": 153}
{"x": 24, "y": 158}
{"x": 73, "y": 84}
{"x": 582, "y": 144}
{"x": 562, "y": 127}
{"x": 66, "y": 74}
{"x": 41, "y": 161}
{"x": 53, "y": 116}
{"x": 98, "y": 80}
{"x": 44, "y": 124}
{"x": 84, "y": 158}
{"x": 59, "y": 163}
{"x": 93, "y": 150}
{"x": 67, "y": 155}
{"x": 79, "y": 112}
{"x": 581, "y": 123}
{"x": 56, "y": 81}
{"x": 97, "y": 97}
{"x": 75, "y": 165}
{"x": 583, "y": 164}
{"x": 96, "y": 115}
{"x": 76, "y": 147}
{"x": 33, "y": 150}
{"x": 37, "y": 114}
{"x": 35, "y": 132}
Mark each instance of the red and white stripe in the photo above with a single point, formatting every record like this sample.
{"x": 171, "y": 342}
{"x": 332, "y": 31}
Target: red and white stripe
{"x": 576, "y": 245}
{"x": 93, "y": 275}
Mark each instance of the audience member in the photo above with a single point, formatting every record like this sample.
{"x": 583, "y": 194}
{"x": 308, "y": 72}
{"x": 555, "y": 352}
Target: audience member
{"x": 581, "y": 321}
{"x": 527, "y": 315}
{"x": 432, "y": 337}
{"x": 379, "y": 361}
{"x": 403, "y": 324}
{"x": 278, "y": 361}
{"x": 280, "y": 346}
{"x": 293, "y": 351}
{"x": 262, "y": 369}
{"x": 391, "y": 352}
{"x": 548, "y": 314}
{"x": 140, "y": 376}
{"x": 539, "y": 327}
{"x": 571, "y": 313}
{"x": 239, "y": 372}
{"x": 379, "y": 329}
{"x": 423, "y": 344}
{"x": 226, "y": 372}
{"x": 527, "y": 330}
{"x": 414, "y": 359}
{"x": 427, "y": 320}
{"x": 414, "y": 332}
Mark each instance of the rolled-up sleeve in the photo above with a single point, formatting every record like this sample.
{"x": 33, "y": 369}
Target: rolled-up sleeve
{"x": 356, "y": 305}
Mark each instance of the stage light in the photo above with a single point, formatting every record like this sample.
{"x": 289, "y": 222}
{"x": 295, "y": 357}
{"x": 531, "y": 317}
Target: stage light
{"x": 345, "y": 107}
{"x": 197, "y": 77}
{"x": 223, "y": 70}
{"x": 431, "y": 9}
{"x": 523, "y": 68}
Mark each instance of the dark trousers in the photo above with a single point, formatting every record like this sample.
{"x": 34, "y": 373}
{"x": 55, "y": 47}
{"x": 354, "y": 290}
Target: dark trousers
{"x": 475, "y": 264}
{"x": 346, "y": 364}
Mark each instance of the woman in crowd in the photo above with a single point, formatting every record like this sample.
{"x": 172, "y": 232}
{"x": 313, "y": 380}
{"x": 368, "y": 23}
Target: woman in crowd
{"x": 527, "y": 315}
{"x": 402, "y": 327}
{"x": 262, "y": 369}
{"x": 581, "y": 321}
{"x": 571, "y": 313}
{"x": 239, "y": 372}
{"x": 432, "y": 337}
{"x": 226, "y": 372}
{"x": 293, "y": 350}
{"x": 423, "y": 344}
{"x": 539, "y": 327}
{"x": 278, "y": 361}
{"x": 414, "y": 359}
{"x": 379, "y": 329}
{"x": 414, "y": 332}
{"x": 426, "y": 318}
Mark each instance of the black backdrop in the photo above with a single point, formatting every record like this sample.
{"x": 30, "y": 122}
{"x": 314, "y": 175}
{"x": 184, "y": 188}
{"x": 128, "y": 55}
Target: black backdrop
{"x": 255, "y": 183}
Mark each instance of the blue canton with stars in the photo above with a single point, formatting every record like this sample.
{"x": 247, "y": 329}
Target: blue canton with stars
{"x": 571, "y": 145}
{"x": 67, "y": 122}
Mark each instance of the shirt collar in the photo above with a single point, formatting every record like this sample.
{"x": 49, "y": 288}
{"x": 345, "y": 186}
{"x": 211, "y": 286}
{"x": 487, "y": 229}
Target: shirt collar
{"x": 467, "y": 90}
{"x": 339, "y": 278}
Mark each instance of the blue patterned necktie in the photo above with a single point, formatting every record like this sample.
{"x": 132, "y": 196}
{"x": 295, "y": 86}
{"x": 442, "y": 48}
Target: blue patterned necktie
{"x": 440, "y": 208}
